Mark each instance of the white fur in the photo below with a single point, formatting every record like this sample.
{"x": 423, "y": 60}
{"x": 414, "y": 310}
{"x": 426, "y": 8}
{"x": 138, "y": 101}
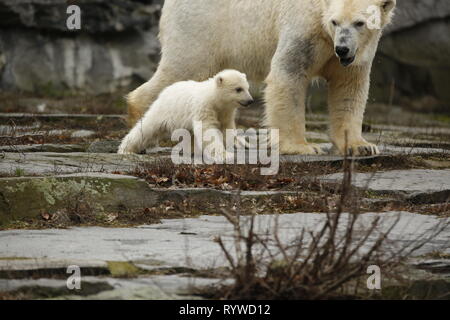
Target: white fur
{"x": 285, "y": 43}
{"x": 179, "y": 106}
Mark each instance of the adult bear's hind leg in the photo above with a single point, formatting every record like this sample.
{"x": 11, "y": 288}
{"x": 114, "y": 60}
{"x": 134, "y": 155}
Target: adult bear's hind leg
{"x": 140, "y": 99}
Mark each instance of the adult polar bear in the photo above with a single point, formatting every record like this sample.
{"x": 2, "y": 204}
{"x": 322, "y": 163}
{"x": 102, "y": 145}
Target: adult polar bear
{"x": 286, "y": 43}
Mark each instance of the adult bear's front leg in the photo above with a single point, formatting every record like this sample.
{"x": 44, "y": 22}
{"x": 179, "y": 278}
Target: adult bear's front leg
{"x": 285, "y": 110}
{"x": 347, "y": 98}
{"x": 285, "y": 96}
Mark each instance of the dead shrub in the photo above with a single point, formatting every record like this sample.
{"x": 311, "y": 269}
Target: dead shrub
{"x": 330, "y": 263}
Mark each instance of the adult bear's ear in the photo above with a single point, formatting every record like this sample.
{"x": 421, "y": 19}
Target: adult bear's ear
{"x": 388, "y": 5}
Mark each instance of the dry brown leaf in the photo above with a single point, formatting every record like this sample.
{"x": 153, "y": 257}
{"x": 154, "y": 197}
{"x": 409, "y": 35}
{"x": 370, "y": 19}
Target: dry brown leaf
{"x": 46, "y": 216}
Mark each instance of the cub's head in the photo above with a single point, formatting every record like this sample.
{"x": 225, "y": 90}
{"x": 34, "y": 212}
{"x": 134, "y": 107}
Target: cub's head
{"x": 355, "y": 27}
{"x": 233, "y": 88}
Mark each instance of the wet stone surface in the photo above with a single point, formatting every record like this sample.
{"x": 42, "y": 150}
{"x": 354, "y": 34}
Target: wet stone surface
{"x": 179, "y": 245}
{"x": 45, "y": 163}
{"x": 51, "y": 163}
{"x": 166, "y": 242}
{"x": 156, "y": 287}
{"x": 48, "y": 160}
{"x": 56, "y": 148}
{"x": 432, "y": 186}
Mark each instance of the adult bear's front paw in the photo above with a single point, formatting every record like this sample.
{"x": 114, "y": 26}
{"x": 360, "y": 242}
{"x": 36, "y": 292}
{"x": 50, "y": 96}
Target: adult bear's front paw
{"x": 360, "y": 148}
{"x": 301, "y": 148}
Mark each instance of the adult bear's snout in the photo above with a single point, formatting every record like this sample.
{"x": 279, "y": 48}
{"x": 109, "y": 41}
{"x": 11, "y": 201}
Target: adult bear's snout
{"x": 342, "y": 51}
{"x": 246, "y": 103}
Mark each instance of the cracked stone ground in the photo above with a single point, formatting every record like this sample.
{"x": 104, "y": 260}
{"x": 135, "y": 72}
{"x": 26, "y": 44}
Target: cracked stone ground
{"x": 140, "y": 227}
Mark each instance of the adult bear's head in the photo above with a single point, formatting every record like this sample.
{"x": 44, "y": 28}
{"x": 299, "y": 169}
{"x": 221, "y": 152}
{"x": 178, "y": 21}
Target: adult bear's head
{"x": 355, "y": 27}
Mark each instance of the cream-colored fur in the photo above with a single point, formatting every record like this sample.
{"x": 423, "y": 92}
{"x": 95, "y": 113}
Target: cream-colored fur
{"x": 286, "y": 43}
{"x": 209, "y": 105}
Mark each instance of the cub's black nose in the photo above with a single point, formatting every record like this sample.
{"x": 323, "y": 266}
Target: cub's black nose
{"x": 249, "y": 102}
{"x": 342, "y": 51}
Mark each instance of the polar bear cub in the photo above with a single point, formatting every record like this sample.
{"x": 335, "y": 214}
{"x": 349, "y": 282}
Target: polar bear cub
{"x": 185, "y": 105}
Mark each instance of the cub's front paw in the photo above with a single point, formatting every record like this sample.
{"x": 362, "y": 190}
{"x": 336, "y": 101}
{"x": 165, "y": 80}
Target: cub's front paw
{"x": 241, "y": 142}
{"x": 125, "y": 152}
{"x": 301, "y": 148}
{"x": 222, "y": 158}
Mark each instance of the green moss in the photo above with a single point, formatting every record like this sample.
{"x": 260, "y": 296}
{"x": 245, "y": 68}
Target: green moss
{"x": 23, "y": 198}
{"x": 443, "y": 118}
{"x": 38, "y": 292}
{"x": 53, "y": 190}
{"x": 19, "y": 172}
{"x": 123, "y": 269}
{"x": 50, "y": 90}
{"x": 418, "y": 290}
{"x": 437, "y": 255}
{"x": 370, "y": 194}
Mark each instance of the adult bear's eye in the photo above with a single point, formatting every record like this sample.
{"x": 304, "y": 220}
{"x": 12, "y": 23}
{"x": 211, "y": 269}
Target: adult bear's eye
{"x": 360, "y": 24}
{"x": 239, "y": 90}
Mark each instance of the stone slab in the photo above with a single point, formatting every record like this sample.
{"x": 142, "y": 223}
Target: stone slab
{"x": 43, "y": 263}
{"x": 31, "y": 196}
{"x": 418, "y": 184}
{"x": 189, "y": 242}
{"x": 148, "y": 288}
{"x": 51, "y": 163}
{"x": 46, "y": 147}
{"x": 45, "y": 163}
{"x": 57, "y": 116}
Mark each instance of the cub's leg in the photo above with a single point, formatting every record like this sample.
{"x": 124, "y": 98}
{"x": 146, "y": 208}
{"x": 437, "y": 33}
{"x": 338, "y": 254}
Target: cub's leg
{"x": 141, "y": 136}
{"x": 229, "y": 123}
{"x": 209, "y": 136}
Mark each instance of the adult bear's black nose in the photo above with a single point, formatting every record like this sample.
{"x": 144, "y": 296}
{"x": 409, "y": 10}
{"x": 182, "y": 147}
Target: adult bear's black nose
{"x": 342, "y": 51}
{"x": 246, "y": 103}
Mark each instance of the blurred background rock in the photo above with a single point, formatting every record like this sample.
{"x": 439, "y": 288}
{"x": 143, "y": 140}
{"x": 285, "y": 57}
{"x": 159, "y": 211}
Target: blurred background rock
{"x": 117, "y": 49}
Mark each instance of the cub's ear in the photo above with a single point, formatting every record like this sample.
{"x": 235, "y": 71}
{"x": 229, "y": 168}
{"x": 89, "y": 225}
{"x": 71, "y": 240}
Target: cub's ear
{"x": 388, "y": 5}
{"x": 219, "y": 81}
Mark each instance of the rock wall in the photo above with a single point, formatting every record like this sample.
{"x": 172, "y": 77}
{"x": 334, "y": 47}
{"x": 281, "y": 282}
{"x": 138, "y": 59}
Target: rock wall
{"x": 118, "y": 47}
{"x": 413, "y": 62}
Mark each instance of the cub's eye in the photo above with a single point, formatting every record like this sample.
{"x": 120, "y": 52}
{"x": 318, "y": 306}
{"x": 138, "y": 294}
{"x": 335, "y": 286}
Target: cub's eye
{"x": 239, "y": 90}
{"x": 334, "y": 23}
{"x": 360, "y": 24}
